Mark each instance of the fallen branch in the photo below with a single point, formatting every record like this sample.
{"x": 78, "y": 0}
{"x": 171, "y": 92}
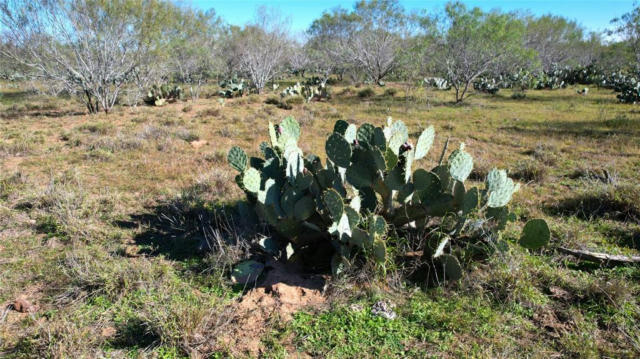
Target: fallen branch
{"x": 600, "y": 257}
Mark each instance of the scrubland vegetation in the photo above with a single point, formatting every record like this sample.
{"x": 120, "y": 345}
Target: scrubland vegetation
{"x": 469, "y": 191}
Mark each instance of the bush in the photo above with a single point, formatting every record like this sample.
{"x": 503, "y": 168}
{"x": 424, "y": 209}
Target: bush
{"x": 294, "y": 100}
{"x": 390, "y": 92}
{"x": 366, "y": 92}
{"x": 272, "y": 100}
{"x": 362, "y": 201}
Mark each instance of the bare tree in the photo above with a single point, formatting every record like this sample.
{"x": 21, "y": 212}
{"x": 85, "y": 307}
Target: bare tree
{"x": 194, "y": 47}
{"x": 374, "y": 46}
{"x": 90, "y": 47}
{"x": 326, "y": 44}
{"x": 298, "y": 58}
{"x": 264, "y": 46}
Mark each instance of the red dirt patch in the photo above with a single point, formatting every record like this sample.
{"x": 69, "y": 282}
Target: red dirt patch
{"x": 281, "y": 293}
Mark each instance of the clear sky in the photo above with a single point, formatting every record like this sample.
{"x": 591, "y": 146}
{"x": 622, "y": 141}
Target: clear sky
{"x": 592, "y": 14}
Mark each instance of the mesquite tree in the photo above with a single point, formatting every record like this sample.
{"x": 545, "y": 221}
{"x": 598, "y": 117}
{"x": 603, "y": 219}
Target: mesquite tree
{"x": 263, "y": 47}
{"x": 89, "y": 47}
{"x": 473, "y": 42}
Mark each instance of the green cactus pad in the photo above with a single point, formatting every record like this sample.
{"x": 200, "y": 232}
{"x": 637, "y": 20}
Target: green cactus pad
{"x": 458, "y": 193}
{"x": 397, "y": 139}
{"x": 333, "y": 202}
{"x": 446, "y": 182}
{"x": 401, "y": 128}
{"x": 303, "y": 181}
{"x": 350, "y": 133}
{"x": 449, "y": 268}
{"x": 251, "y": 180}
{"x": 288, "y": 200}
{"x": 379, "y": 251}
{"x": 390, "y": 159}
{"x": 338, "y": 150}
{"x": 365, "y": 135}
{"x": 289, "y": 228}
{"x": 369, "y": 199}
{"x": 425, "y": 141}
{"x": 426, "y": 181}
{"x": 304, "y": 208}
{"x": 499, "y": 215}
{"x": 246, "y": 272}
{"x": 395, "y": 179}
{"x": 237, "y": 158}
{"x": 290, "y": 128}
{"x": 471, "y": 200}
{"x": 406, "y": 193}
{"x": 378, "y": 160}
{"x": 535, "y": 234}
{"x": 377, "y": 226}
{"x": 358, "y": 238}
{"x": 460, "y": 164}
{"x": 358, "y": 175}
{"x": 270, "y": 195}
{"x": 353, "y": 216}
{"x": 379, "y": 140}
{"x": 500, "y": 188}
{"x": 340, "y": 127}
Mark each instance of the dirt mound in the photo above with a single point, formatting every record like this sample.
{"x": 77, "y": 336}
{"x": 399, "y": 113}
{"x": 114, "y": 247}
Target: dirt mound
{"x": 282, "y": 292}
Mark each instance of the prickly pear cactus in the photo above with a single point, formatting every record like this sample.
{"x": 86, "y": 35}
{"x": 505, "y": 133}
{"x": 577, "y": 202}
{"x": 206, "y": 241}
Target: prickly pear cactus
{"x": 373, "y": 188}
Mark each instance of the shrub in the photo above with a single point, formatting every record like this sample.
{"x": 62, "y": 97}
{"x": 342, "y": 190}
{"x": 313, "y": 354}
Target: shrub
{"x": 367, "y": 195}
{"x": 390, "y": 92}
{"x": 272, "y": 101}
{"x": 366, "y": 92}
{"x": 295, "y": 100}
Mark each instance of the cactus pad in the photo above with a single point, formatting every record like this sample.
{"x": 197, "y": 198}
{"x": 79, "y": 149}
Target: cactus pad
{"x": 340, "y": 127}
{"x": 304, "y": 208}
{"x": 535, "y": 234}
{"x": 425, "y": 141}
{"x": 338, "y": 150}
{"x": 251, "y": 180}
{"x": 365, "y": 135}
{"x": 460, "y": 164}
{"x": 333, "y": 202}
{"x": 500, "y": 188}
{"x": 290, "y": 128}
{"x": 237, "y": 158}
{"x": 448, "y": 268}
{"x": 351, "y": 133}
{"x": 470, "y": 201}
{"x": 379, "y": 251}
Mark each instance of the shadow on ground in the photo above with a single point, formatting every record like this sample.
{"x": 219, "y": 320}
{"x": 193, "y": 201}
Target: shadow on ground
{"x": 185, "y": 227}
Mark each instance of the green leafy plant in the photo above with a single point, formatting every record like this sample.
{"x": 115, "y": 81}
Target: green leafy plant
{"x": 370, "y": 192}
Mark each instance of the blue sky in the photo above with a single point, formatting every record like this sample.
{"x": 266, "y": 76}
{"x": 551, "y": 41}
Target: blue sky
{"x": 592, "y": 14}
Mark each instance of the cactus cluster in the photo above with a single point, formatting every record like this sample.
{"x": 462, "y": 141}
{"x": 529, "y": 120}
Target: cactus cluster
{"x": 160, "y": 95}
{"x": 307, "y": 91}
{"x": 371, "y": 190}
{"x": 437, "y": 83}
{"x": 232, "y": 88}
{"x": 486, "y": 85}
